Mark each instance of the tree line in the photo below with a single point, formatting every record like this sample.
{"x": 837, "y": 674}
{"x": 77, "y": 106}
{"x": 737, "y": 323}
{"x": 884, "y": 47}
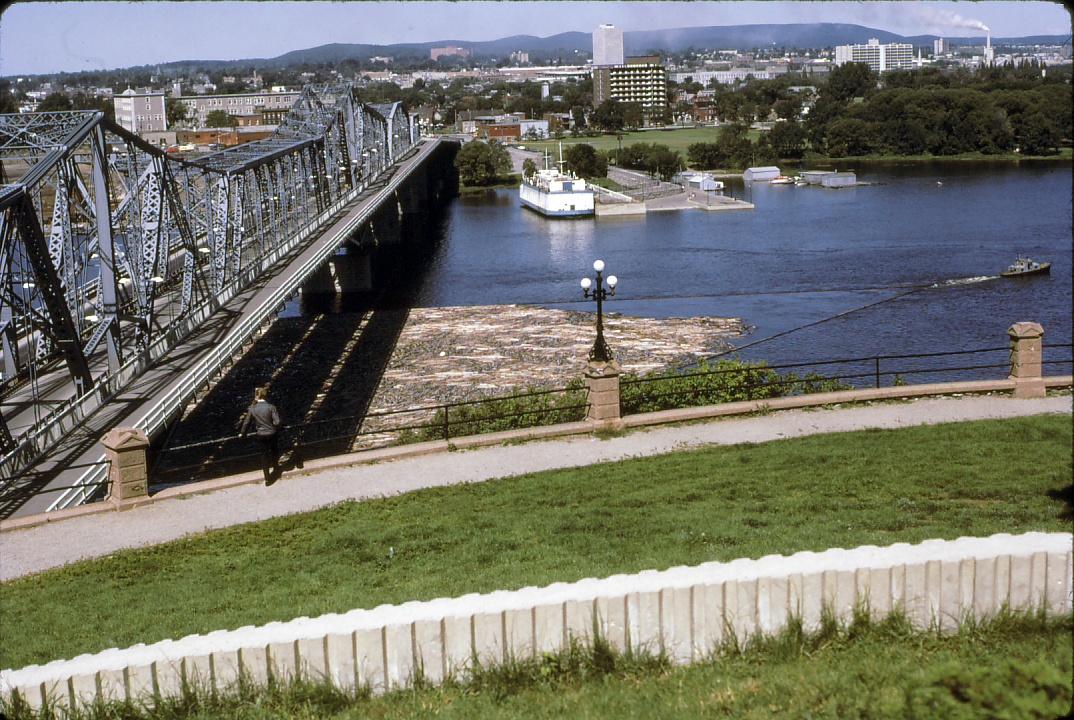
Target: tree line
{"x": 998, "y": 110}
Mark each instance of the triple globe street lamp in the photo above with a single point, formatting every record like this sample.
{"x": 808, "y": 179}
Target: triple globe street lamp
{"x": 596, "y": 290}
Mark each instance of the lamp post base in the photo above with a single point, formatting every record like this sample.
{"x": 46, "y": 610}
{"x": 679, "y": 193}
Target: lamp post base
{"x": 602, "y": 381}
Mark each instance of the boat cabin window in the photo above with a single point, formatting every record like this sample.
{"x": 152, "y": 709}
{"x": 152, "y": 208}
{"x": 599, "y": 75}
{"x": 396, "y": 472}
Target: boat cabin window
{"x": 568, "y": 186}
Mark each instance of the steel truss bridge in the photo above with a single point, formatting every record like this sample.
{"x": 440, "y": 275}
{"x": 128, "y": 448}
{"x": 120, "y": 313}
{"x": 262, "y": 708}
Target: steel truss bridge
{"x": 113, "y": 252}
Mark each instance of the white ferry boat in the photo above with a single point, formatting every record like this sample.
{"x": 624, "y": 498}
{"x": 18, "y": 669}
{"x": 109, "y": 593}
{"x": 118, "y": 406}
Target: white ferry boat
{"x": 556, "y": 194}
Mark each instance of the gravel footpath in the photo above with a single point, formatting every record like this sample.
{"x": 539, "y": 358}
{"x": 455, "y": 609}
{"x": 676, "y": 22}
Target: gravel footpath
{"x": 27, "y": 551}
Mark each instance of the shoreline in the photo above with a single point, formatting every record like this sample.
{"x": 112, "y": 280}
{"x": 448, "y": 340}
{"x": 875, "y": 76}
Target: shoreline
{"x": 340, "y": 368}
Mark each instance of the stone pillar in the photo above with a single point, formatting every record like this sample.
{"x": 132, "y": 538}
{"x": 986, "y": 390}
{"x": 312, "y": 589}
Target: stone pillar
{"x": 1026, "y": 351}
{"x": 602, "y": 381}
{"x": 128, "y": 473}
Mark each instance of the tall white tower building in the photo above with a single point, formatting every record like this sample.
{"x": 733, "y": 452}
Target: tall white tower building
{"x": 607, "y": 46}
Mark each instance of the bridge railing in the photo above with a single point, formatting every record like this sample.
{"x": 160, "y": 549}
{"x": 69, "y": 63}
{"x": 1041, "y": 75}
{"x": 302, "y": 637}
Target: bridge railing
{"x": 199, "y": 375}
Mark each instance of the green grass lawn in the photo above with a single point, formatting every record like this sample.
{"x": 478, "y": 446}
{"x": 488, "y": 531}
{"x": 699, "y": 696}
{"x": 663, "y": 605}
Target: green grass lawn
{"x": 1015, "y": 669}
{"x": 1013, "y": 666}
{"x": 839, "y": 490}
{"x": 679, "y": 139}
{"x": 1064, "y": 154}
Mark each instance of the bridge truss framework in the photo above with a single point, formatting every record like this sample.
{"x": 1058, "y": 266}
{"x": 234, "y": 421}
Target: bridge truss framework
{"x": 112, "y": 250}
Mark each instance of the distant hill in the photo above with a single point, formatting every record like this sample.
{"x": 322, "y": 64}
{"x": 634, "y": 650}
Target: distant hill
{"x": 720, "y": 37}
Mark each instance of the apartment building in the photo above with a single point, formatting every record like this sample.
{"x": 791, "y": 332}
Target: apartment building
{"x": 879, "y": 58}
{"x": 641, "y": 80}
{"x": 140, "y": 111}
{"x": 242, "y": 105}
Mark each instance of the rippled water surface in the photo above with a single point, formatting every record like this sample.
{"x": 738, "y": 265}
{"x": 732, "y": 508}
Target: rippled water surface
{"x": 908, "y": 263}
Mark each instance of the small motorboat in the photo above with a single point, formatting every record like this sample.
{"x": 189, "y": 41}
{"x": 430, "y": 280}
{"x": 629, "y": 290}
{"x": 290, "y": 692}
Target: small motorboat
{"x": 1026, "y": 266}
{"x": 781, "y": 180}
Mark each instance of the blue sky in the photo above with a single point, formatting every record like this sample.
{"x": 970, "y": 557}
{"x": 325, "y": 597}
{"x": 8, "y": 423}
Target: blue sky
{"x": 50, "y": 37}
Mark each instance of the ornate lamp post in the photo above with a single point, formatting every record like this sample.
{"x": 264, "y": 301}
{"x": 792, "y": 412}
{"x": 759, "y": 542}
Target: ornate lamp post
{"x": 600, "y": 352}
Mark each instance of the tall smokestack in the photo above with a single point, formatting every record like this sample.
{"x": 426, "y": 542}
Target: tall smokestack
{"x": 988, "y": 41}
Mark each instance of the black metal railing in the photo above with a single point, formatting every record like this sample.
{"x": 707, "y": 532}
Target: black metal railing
{"x": 734, "y": 381}
{"x": 378, "y": 429}
{"x": 444, "y": 421}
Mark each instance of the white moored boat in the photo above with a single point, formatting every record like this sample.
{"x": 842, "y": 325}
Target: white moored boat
{"x": 556, "y": 194}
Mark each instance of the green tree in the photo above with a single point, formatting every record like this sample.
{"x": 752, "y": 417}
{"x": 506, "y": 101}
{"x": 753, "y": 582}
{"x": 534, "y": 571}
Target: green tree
{"x": 176, "y": 111}
{"x": 501, "y": 159}
{"x": 7, "y": 99}
{"x": 632, "y": 115}
{"x": 849, "y": 136}
{"x": 787, "y": 139}
{"x": 480, "y": 163}
{"x": 788, "y": 108}
{"x": 850, "y": 80}
{"x": 609, "y": 116}
{"x": 578, "y": 115}
{"x": 663, "y": 161}
{"x": 528, "y": 167}
{"x": 1038, "y": 135}
{"x": 705, "y": 156}
{"x": 82, "y": 101}
{"x": 55, "y": 102}
{"x": 763, "y": 152}
{"x": 585, "y": 161}
{"x": 735, "y": 145}
{"x": 220, "y": 119}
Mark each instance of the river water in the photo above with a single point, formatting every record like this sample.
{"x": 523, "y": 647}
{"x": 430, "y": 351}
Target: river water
{"x": 905, "y": 264}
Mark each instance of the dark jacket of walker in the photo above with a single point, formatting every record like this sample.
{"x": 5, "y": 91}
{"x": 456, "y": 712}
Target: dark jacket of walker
{"x": 264, "y": 417}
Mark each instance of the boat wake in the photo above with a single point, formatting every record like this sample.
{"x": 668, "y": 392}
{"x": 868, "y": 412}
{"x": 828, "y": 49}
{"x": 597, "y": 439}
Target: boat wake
{"x": 965, "y": 281}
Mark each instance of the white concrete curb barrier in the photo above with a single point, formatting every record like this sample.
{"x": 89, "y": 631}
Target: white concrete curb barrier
{"x": 683, "y": 611}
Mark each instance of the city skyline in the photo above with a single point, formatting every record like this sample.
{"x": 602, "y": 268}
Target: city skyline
{"x": 106, "y": 35}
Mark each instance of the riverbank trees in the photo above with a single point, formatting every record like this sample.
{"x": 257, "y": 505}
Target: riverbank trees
{"x": 481, "y": 163}
{"x": 999, "y": 110}
{"x": 584, "y": 161}
{"x": 653, "y": 158}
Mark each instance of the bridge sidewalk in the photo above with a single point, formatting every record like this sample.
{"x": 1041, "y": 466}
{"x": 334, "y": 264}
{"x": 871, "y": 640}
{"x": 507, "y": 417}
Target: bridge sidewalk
{"x": 244, "y": 499}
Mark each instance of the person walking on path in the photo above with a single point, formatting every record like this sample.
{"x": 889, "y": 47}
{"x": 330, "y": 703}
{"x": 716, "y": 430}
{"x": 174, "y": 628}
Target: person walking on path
{"x": 264, "y": 419}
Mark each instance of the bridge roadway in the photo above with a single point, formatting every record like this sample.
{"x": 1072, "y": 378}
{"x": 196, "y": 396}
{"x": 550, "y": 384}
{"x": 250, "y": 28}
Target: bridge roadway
{"x": 188, "y": 367}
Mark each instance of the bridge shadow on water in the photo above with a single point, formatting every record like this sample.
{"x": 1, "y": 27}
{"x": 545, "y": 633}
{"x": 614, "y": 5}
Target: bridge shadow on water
{"x": 322, "y": 370}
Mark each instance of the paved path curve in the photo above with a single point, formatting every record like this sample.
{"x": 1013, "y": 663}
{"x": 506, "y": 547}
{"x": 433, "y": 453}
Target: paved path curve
{"x": 31, "y": 550}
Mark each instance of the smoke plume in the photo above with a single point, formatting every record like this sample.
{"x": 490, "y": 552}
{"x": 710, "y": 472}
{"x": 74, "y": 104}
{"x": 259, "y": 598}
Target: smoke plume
{"x": 946, "y": 19}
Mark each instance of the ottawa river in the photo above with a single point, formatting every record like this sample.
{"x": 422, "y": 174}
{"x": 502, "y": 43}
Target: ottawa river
{"x": 900, "y": 266}
{"x": 906, "y": 263}
{"x": 802, "y": 256}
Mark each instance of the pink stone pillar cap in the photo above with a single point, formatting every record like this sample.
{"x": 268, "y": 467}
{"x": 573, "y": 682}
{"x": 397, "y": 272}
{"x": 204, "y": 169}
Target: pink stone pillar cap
{"x": 1025, "y": 330}
{"x": 597, "y": 368}
{"x": 125, "y": 439}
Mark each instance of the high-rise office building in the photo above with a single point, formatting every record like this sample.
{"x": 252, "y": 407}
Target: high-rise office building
{"x": 607, "y": 46}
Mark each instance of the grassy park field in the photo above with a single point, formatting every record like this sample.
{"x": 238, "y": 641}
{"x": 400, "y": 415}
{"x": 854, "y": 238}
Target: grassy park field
{"x": 721, "y": 503}
{"x": 680, "y": 139}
